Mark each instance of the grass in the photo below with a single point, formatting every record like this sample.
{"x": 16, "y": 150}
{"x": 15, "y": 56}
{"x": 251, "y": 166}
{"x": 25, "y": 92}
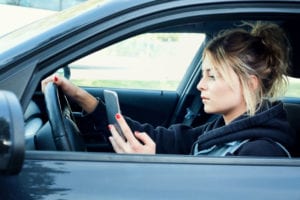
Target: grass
{"x": 155, "y": 85}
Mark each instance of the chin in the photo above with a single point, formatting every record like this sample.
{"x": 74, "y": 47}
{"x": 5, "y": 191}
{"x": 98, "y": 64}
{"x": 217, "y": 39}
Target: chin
{"x": 208, "y": 111}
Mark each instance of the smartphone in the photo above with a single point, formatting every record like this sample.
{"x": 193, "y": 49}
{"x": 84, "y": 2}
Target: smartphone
{"x": 112, "y": 108}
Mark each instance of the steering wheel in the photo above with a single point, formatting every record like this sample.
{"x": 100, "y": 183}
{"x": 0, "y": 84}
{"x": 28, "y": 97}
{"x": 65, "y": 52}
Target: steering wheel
{"x": 65, "y": 133}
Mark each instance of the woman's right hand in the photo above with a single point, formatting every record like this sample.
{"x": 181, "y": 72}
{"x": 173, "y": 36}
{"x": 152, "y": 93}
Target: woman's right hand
{"x": 83, "y": 98}
{"x": 137, "y": 142}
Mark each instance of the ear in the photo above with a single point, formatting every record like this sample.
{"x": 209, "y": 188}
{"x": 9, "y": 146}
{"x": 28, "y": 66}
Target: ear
{"x": 253, "y": 82}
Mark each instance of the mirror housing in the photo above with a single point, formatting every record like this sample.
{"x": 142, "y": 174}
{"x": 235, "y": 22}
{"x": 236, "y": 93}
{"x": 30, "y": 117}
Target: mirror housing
{"x": 11, "y": 134}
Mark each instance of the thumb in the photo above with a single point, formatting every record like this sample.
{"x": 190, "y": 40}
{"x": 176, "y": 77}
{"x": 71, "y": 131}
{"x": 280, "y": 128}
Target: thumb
{"x": 143, "y": 137}
{"x": 45, "y": 81}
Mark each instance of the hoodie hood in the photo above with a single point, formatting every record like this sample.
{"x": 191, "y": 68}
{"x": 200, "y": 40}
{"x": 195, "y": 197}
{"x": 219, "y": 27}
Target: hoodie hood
{"x": 269, "y": 122}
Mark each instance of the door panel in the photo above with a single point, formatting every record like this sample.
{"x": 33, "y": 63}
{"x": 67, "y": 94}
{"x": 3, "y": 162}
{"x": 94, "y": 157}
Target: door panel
{"x": 146, "y": 106}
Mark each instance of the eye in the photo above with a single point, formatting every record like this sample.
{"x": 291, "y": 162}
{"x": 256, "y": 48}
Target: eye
{"x": 212, "y": 77}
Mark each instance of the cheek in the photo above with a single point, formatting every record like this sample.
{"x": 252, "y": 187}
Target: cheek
{"x": 220, "y": 88}
{"x": 225, "y": 96}
{"x": 234, "y": 90}
{"x": 228, "y": 96}
{"x": 234, "y": 93}
{"x": 235, "y": 100}
{"x": 224, "y": 102}
{"x": 237, "y": 97}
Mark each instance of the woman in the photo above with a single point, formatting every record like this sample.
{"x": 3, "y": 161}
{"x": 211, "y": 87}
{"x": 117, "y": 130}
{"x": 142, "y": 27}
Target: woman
{"x": 242, "y": 74}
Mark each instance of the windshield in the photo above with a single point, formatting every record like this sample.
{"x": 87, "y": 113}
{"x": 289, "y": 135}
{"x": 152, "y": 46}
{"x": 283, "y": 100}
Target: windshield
{"x": 43, "y": 21}
{"x": 22, "y": 16}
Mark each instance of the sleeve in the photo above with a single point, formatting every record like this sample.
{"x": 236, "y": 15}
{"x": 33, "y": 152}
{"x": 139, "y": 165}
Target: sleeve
{"x": 177, "y": 139}
{"x": 97, "y": 119}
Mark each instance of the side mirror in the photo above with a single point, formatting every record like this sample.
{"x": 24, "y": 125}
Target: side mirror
{"x": 11, "y": 133}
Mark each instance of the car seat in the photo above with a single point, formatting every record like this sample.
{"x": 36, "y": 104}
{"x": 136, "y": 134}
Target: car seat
{"x": 33, "y": 122}
{"x": 293, "y": 114}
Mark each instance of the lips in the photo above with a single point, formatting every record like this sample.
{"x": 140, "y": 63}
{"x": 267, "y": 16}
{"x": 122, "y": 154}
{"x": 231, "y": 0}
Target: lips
{"x": 204, "y": 98}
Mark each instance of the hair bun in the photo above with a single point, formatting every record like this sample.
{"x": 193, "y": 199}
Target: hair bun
{"x": 272, "y": 36}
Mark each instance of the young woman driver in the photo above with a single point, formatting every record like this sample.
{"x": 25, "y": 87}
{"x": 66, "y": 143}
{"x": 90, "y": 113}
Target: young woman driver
{"x": 242, "y": 74}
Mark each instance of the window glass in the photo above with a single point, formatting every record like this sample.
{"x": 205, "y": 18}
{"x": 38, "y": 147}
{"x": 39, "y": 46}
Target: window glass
{"x": 147, "y": 61}
{"x": 293, "y": 88}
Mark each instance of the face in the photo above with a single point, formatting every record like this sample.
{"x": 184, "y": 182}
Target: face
{"x": 217, "y": 95}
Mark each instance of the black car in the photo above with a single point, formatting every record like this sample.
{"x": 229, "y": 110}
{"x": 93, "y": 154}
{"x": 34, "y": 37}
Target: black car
{"x": 149, "y": 52}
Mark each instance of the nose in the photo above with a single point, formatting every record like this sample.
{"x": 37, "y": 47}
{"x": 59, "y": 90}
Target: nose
{"x": 202, "y": 85}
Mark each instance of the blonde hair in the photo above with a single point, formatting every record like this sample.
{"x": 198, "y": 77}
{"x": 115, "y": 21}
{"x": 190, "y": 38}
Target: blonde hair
{"x": 262, "y": 51}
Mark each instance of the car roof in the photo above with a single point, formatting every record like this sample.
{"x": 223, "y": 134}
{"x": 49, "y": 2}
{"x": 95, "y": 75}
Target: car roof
{"x": 56, "y": 26}
{"x": 89, "y": 12}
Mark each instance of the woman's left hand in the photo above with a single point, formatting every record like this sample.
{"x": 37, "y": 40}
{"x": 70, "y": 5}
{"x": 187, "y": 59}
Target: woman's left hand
{"x": 139, "y": 142}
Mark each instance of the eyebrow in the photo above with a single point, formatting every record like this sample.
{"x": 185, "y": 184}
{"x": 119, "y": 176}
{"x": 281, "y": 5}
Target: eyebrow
{"x": 206, "y": 70}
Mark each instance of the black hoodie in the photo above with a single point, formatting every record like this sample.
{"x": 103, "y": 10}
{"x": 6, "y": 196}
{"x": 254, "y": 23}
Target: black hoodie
{"x": 268, "y": 133}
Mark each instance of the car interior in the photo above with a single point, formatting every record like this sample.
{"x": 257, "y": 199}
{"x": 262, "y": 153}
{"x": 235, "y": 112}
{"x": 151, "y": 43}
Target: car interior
{"x": 162, "y": 107}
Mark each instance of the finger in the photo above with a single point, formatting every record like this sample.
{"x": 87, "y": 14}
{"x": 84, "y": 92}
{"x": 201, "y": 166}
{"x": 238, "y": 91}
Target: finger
{"x": 126, "y": 129}
{"x": 115, "y": 146}
{"x": 144, "y": 137}
{"x": 46, "y": 81}
{"x": 149, "y": 146}
{"x": 117, "y": 138}
{"x": 67, "y": 87}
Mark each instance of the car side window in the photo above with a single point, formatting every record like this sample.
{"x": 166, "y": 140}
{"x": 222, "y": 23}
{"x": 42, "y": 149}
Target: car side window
{"x": 148, "y": 61}
{"x": 292, "y": 90}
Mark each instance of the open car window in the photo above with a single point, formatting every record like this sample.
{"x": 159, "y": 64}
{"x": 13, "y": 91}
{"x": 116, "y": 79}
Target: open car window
{"x": 293, "y": 87}
{"x": 148, "y": 61}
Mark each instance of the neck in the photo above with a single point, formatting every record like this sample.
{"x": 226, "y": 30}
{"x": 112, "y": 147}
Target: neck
{"x": 230, "y": 116}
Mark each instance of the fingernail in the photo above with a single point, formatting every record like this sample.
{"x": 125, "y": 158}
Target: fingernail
{"x": 137, "y": 132}
{"x": 118, "y": 116}
{"x": 109, "y": 126}
{"x": 55, "y": 79}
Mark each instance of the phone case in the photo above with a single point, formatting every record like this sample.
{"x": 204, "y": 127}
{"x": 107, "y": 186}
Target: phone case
{"x": 112, "y": 108}
{"x": 112, "y": 105}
